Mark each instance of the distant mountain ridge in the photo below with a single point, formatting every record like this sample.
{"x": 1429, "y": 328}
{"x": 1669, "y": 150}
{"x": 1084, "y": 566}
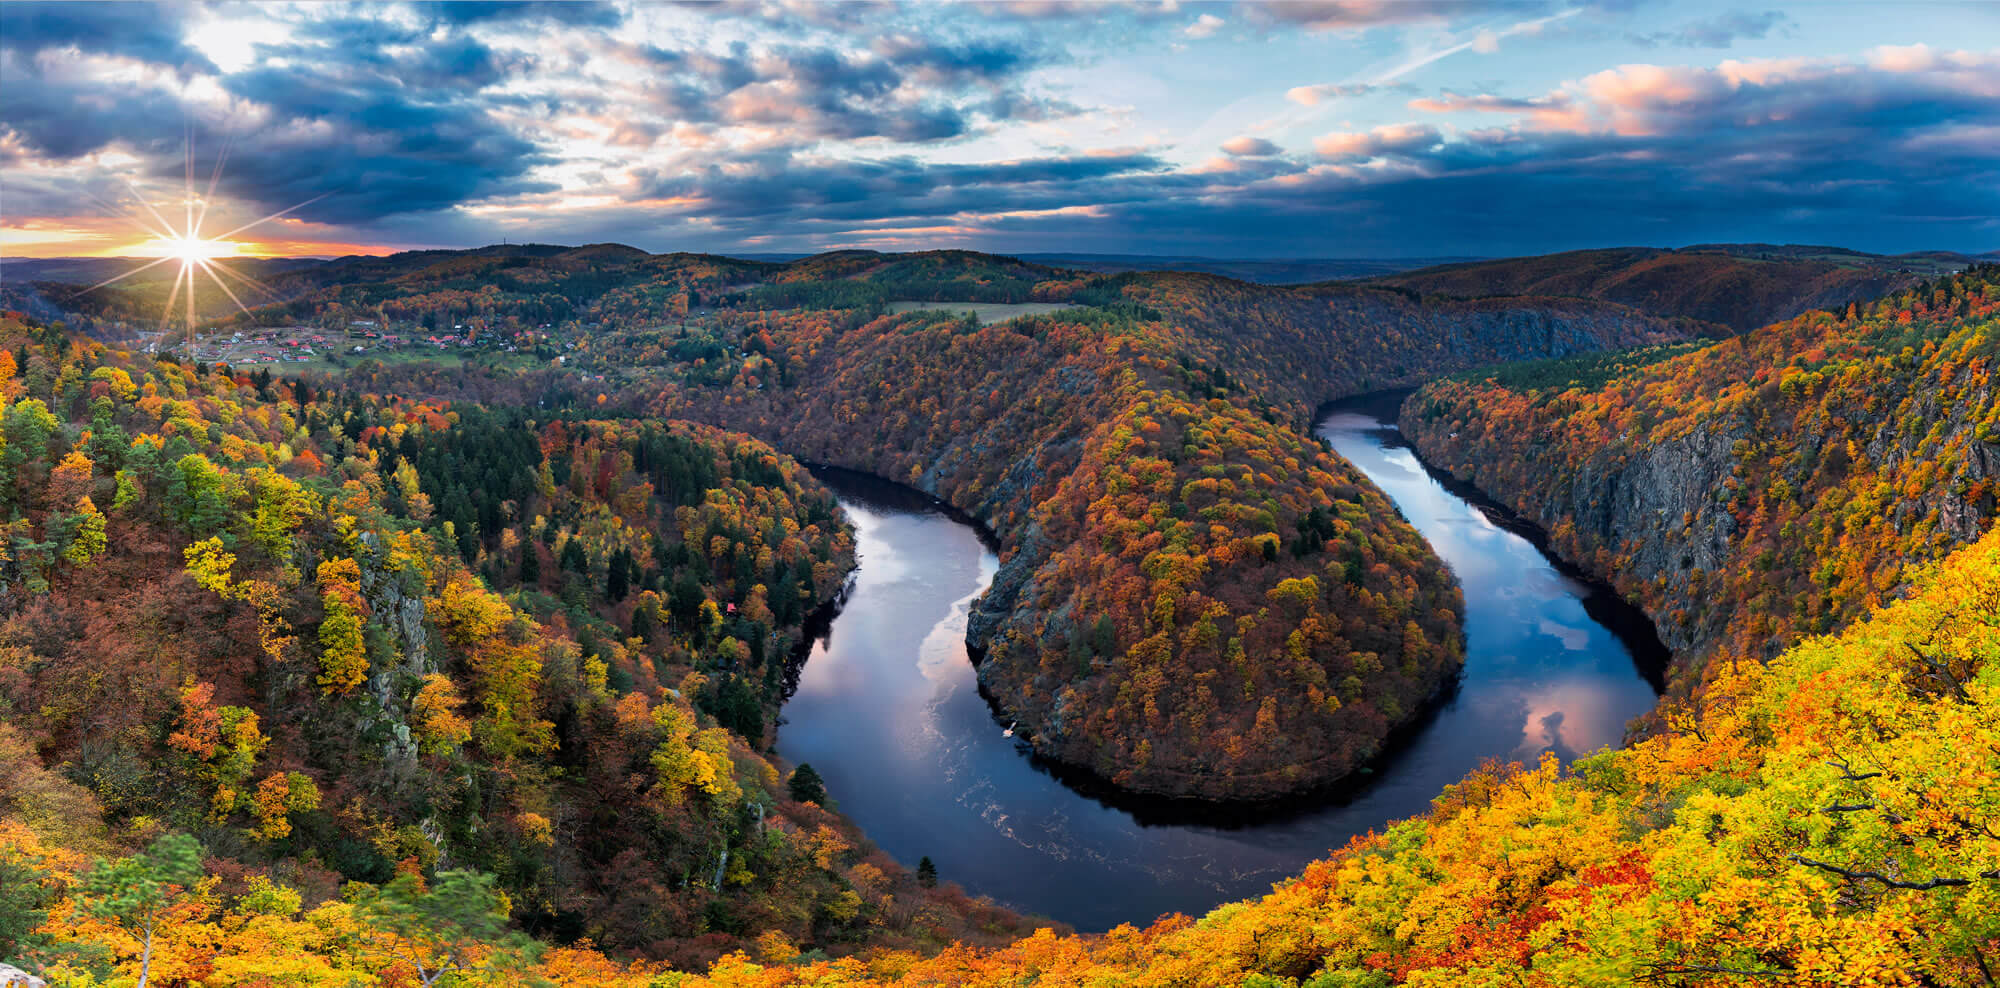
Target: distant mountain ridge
{"x": 89, "y": 270}
{"x": 1739, "y": 286}
{"x": 1263, "y": 271}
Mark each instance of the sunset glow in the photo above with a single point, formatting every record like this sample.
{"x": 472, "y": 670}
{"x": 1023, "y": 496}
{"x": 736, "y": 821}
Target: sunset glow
{"x": 189, "y": 250}
{"x": 183, "y": 241}
{"x": 1413, "y": 128}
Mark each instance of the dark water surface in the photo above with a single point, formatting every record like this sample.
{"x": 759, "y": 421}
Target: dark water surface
{"x": 888, "y": 711}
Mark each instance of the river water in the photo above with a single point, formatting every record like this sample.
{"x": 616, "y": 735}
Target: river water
{"x": 888, "y": 711}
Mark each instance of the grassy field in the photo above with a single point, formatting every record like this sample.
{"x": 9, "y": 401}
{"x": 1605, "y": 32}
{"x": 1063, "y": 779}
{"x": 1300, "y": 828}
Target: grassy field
{"x": 985, "y": 312}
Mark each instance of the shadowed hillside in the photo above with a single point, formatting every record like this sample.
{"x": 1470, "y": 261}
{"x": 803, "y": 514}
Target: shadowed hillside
{"x": 1740, "y": 286}
{"x": 1746, "y": 493}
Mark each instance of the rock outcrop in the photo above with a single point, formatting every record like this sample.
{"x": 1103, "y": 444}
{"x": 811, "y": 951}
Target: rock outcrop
{"x": 14, "y": 977}
{"x": 1759, "y": 489}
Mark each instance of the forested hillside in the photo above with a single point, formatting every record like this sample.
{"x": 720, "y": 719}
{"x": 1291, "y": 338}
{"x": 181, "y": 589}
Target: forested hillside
{"x": 1756, "y": 490}
{"x": 1738, "y": 286}
{"x": 1827, "y": 818}
{"x": 354, "y": 647}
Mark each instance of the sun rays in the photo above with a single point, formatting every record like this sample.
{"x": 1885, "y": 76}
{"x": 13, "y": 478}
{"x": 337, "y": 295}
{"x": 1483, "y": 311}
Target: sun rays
{"x": 185, "y": 244}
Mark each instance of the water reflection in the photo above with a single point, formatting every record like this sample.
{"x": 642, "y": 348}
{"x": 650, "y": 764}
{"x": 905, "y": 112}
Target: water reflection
{"x": 888, "y": 710}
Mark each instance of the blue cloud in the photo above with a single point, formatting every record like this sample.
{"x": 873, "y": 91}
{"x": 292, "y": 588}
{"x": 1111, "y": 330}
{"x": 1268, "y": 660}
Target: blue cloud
{"x": 146, "y": 31}
{"x": 573, "y": 12}
{"x": 1718, "y": 32}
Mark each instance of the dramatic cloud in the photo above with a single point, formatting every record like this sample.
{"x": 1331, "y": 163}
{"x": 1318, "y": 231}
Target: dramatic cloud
{"x": 361, "y": 132}
{"x": 901, "y": 87}
{"x": 1822, "y": 148}
{"x": 783, "y": 126}
{"x": 142, "y": 31}
{"x": 806, "y": 190}
{"x": 1824, "y": 101}
{"x": 370, "y": 114}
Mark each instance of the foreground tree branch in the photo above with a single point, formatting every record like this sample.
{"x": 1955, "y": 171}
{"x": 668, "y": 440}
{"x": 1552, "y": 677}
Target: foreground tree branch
{"x": 1876, "y": 876}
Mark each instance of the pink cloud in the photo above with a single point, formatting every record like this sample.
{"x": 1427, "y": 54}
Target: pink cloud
{"x": 1401, "y": 138}
{"x": 1642, "y": 100}
{"x": 1249, "y": 147}
{"x": 1315, "y": 95}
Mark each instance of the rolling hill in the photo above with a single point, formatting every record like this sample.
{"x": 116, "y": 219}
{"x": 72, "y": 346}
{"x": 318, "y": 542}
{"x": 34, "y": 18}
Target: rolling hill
{"x": 1738, "y": 286}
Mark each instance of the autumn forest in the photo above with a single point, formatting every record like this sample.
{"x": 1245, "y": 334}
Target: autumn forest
{"x": 393, "y": 669}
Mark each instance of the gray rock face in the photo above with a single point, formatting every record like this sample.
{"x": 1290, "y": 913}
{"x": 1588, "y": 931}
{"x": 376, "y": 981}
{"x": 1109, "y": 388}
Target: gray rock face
{"x": 1658, "y": 519}
{"x": 1644, "y": 500}
{"x": 14, "y": 977}
{"x": 400, "y": 614}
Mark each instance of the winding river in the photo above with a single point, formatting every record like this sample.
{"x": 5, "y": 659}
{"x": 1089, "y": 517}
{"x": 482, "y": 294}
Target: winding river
{"x": 888, "y": 710}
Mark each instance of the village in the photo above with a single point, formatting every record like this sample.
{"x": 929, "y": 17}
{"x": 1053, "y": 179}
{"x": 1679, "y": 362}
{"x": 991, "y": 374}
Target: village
{"x": 315, "y": 347}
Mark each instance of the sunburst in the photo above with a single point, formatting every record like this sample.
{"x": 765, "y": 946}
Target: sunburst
{"x": 185, "y": 244}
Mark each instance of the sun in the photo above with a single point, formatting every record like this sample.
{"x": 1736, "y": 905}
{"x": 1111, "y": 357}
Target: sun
{"x": 190, "y": 250}
{"x": 184, "y": 242}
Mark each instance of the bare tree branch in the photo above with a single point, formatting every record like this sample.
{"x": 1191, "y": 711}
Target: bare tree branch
{"x": 1662, "y": 970}
{"x": 1876, "y": 876}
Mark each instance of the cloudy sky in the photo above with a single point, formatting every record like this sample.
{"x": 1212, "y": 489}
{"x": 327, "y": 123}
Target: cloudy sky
{"x": 1343, "y": 128}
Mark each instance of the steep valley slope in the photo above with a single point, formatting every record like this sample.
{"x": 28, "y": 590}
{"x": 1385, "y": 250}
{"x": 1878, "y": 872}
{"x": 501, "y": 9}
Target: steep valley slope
{"x": 1756, "y": 490}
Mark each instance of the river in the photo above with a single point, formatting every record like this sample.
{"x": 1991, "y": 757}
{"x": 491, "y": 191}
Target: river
{"x": 888, "y": 711}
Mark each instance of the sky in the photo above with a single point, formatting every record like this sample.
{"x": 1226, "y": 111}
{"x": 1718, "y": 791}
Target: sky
{"x": 1336, "y": 128}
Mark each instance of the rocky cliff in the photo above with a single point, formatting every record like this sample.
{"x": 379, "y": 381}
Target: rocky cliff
{"x": 1758, "y": 489}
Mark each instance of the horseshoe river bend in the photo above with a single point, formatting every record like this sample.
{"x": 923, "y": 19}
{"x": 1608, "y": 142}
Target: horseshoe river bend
{"x": 888, "y": 710}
